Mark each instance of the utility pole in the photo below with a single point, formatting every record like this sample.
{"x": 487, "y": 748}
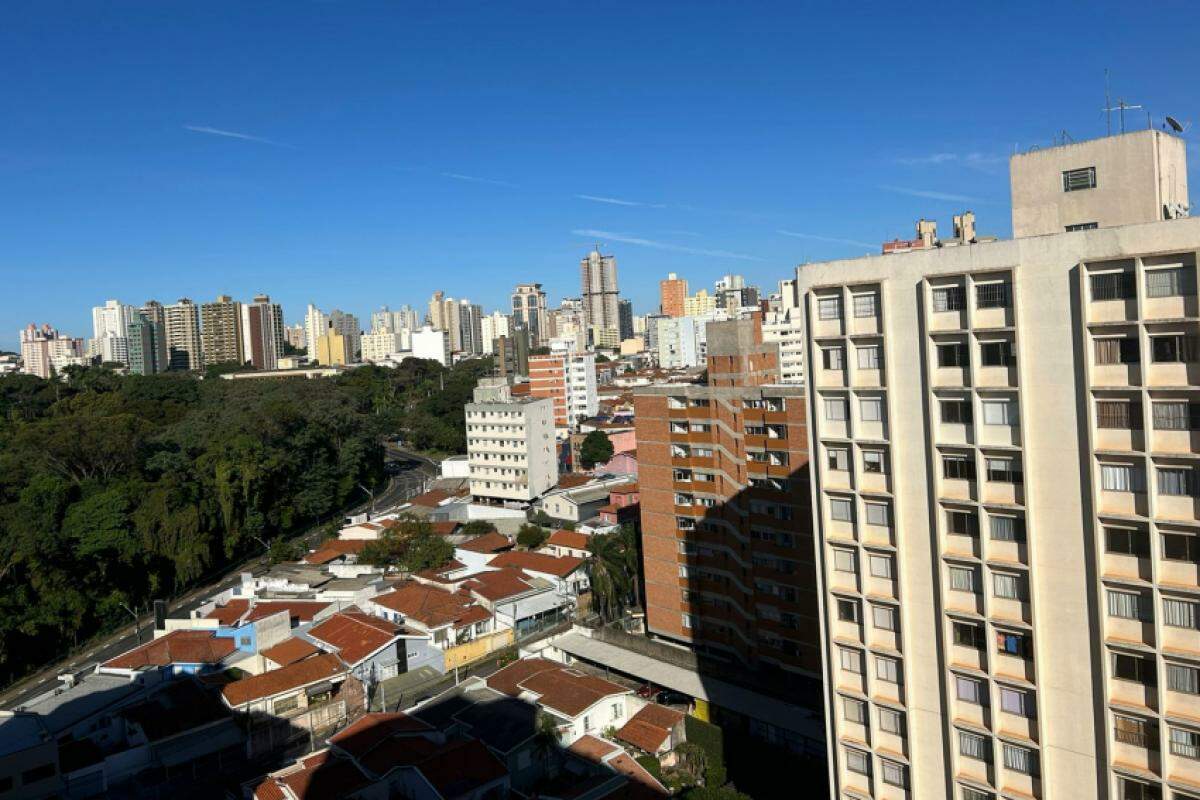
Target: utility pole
{"x": 137, "y": 623}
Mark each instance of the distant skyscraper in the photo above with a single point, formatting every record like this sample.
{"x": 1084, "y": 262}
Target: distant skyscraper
{"x": 316, "y": 322}
{"x": 332, "y": 348}
{"x": 445, "y": 315}
{"x": 147, "y": 342}
{"x": 625, "y": 319}
{"x": 221, "y": 331}
{"x": 470, "y": 328}
{"x": 44, "y": 351}
{"x": 293, "y": 335}
{"x": 156, "y": 315}
{"x": 671, "y": 294}
{"x": 347, "y": 325}
{"x": 110, "y": 324}
{"x": 598, "y": 277}
{"x": 529, "y": 309}
{"x": 493, "y": 326}
{"x": 184, "y": 348}
{"x": 262, "y": 333}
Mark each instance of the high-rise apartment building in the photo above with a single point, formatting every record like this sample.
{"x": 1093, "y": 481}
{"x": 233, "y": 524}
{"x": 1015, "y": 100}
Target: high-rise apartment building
{"x": 625, "y": 320}
{"x": 726, "y": 536}
{"x": 470, "y": 327}
{"x": 569, "y": 380}
{"x": 348, "y": 326}
{"x": 445, "y": 314}
{"x": 492, "y": 327}
{"x": 379, "y": 345}
{"x": 511, "y": 447}
{"x": 262, "y": 333}
{"x": 45, "y": 351}
{"x": 1005, "y": 490}
{"x": 110, "y": 332}
{"x": 785, "y": 327}
{"x": 671, "y": 294}
{"x": 333, "y": 348}
{"x": 529, "y": 309}
{"x": 221, "y": 331}
{"x": 598, "y": 277}
{"x": 184, "y": 348}
{"x": 154, "y": 312}
{"x": 294, "y": 336}
{"x": 700, "y": 303}
{"x": 316, "y": 322}
{"x": 432, "y": 343}
{"x": 147, "y": 345}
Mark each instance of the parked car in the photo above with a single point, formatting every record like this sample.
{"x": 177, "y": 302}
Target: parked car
{"x": 667, "y": 697}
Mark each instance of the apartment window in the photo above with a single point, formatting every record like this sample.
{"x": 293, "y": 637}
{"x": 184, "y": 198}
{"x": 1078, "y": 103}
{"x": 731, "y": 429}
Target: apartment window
{"x": 1129, "y": 789}
{"x": 1111, "y": 285}
{"x": 972, "y": 745}
{"x": 999, "y": 412}
{"x": 854, "y": 710}
{"x": 1126, "y": 667}
{"x": 881, "y": 566}
{"x": 1182, "y": 678}
{"x": 1180, "y": 613}
{"x": 833, "y": 358}
{"x": 1077, "y": 179}
{"x": 1127, "y": 605}
{"x": 858, "y": 761}
{"x": 871, "y": 409}
{"x": 835, "y": 409}
{"x": 1185, "y": 743}
{"x": 1006, "y": 529}
{"x": 1174, "y": 282}
{"x": 1172, "y": 348}
{"x": 1176, "y": 481}
{"x": 868, "y": 356}
{"x": 1008, "y": 586}
{"x": 838, "y": 458}
{"x": 997, "y": 354}
{"x": 892, "y": 772}
{"x": 1127, "y": 542}
{"x": 962, "y": 523}
{"x": 974, "y": 794}
{"x": 956, "y": 411}
{"x": 1002, "y": 470}
{"x": 829, "y": 308}
{"x": 864, "y": 305}
{"x": 1019, "y": 759}
{"x": 958, "y": 468}
{"x": 969, "y": 690}
{"x": 1181, "y": 547}
{"x": 891, "y": 721}
{"x": 1082, "y": 226}
{"x": 967, "y": 634}
{"x": 962, "y": 579}
{"x": 1116, "y": 350}
{"x": 1118, "y": 414}
{"x": 1012, "y": 644}
{"x": 953, "y": 354}
{"x": 1120, "y": 478}
{"x": 1137, "y": 732}
{"x": 851, "y": 660}
{"x": 286, "y": 704}
{"x": 841, "y": 510}
{"x": 877, "y": 514}
{"x": 883, "y": 618}
{"x": 873, "y": 461}
{"x": 1016, "y": 701}
{"x": 949, "y": 298}
{"x": 992, "y": 295}
{"x": 887, "y": 669}
{"x": 843, "y": 560}
{"x": 847, "y": 610}
{"x": 1176, "y": 415}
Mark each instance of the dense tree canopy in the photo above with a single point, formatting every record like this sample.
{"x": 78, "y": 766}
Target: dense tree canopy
{"x": 596, "y": 448}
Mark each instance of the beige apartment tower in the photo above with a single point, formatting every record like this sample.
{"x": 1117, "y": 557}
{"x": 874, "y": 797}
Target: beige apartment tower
{"x": 511, "y": 447}
{"x": 221, "y": 331}
{"x": 1005, "y": 439}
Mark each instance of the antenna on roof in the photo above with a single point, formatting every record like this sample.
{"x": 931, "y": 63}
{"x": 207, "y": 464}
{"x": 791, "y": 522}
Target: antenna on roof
{"x": 1176, "y": 125}
{"x": 1121, "y": 106}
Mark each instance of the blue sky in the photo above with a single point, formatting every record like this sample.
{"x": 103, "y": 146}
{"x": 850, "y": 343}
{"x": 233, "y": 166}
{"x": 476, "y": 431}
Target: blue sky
{"x": 359, "y": 153}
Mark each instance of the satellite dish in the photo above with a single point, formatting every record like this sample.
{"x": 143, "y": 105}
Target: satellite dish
{"x": 1174, "y": 123}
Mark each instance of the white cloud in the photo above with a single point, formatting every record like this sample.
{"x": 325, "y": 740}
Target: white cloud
{"x": 233, "y": 135}
{"x": 831, "y": 239}
{"x": 591, "y": 233}
{"x": 458, "y": 176}
{"x": 617, "y": 201}
{"x": 944, "y": 197}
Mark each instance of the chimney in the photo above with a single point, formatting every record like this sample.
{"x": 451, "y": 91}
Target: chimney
{"x": 160, "y": 615}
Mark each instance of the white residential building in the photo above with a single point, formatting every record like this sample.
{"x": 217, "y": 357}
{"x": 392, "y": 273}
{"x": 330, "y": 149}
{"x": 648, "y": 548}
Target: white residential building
{"x": 433, "y": 344}
{"x": 316, "y": 322}
{"x": 110, "y": 331}
{"x": 785, "y": 327}
{"x": 379, "y": 344}
{"x": 510, "y": 444}
{"x": 492, "y": 327}
{"x": 45, "y": 351}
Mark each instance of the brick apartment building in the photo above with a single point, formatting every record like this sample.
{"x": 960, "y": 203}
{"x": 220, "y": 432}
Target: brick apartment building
{"x": 727, "y": 539}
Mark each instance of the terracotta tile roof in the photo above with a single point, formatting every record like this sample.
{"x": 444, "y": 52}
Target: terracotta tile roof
{"x": 560, "y": 566}
{"x": 572, "y": 539}
{"x": 564, "y": 690}
{"x": 571, "y": 480}
{"x": 445, "y": 528}
{"x": 277, "y": 681}
{"x": 355, "y": 634}
{"x": 372, "y": 729}
{"x": 592, "y": 748}
{"x": 431, "y": 606}
{"x": 626, "y": 488}
{"x": 177, "y": 647}
{"x": 499, "y": 584}
{"x": 650, "y": 728}
{"x": 439, "y": 574}
{"x": 628, "y": 767}
{"x": 229, "y": 613}
{"x": 289, "y": 651}
{"x": 431, "y": 499}
{"x": 461, "y": 767}
{"x": 336, "y": 548}
{"x": 235, "y": 611}
{"x": 508, "y": 680}
{"x": 321, "y": 777}
{"x": 487, "y": 543}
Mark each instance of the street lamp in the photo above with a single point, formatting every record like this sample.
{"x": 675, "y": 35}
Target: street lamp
{"x": 137, "y": 622}
{"x": 370, "y": 513}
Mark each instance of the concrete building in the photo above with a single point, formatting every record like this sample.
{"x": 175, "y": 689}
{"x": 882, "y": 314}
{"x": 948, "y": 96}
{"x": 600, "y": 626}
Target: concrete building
{"x": 625, "y": 319}
{"x": 512, "y": 354}
{"x": 379, "y": 344}
{"x": 316, "y": 322}
{"x": 682, "y": 342}
{"x": 510, "y": 445}
{"x": 785, "y": 327}
{"x": 44, "y": 351}
{"x": 432, "y": 343}
{"x": 444, "y": 316}
{"x": 529, "y": 309}
{"x": 650, "y": 330}
{"x": 293, "y": 336}
{"x": 700, "y": 303}
{"x": 470, "y": 327}
{"x": 184, "y": 348}
{"x": 671, "y": 294}
{"x": 492, "y": 327}
{"x": 598, "y": 278}
{"x": 221, "y": 331}
{"x": 727, "y": 546}
{"x": 1118, "y": 180}
{"x": 333, "y": 349}
{"x": 110, "y": 332}
{"x": 262, "y": 333}
{"x": 569, "y": 380}
{"x": 147, "y": 345}
{"x": 156, "y": 314}
{"x": 1005, "y": 503}
{"x": 348, "y": 326}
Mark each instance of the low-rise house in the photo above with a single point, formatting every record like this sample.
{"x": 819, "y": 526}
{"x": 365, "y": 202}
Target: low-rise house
{"x": 450, "y": 620}
{"x": 313, "y": 694}
{"x": 340, "y": 558}
{"x": 373, "y": 649}
{"x": 608, "y": 754}
{"x": 519, "y": 601}
{"x": 178, "y": 652}
{"x": 655, "y": 730}
{"x": 566, "y": 573}
{"x": 580, "y": 503}
{"x": 567, "y": 544}
{"x": 475, "y": 553}
{"x": 581, "y": 703}
{"x": 289, "y": 651}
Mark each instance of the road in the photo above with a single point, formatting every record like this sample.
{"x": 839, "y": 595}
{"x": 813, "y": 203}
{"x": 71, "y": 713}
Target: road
{"x": 414, "y": 473}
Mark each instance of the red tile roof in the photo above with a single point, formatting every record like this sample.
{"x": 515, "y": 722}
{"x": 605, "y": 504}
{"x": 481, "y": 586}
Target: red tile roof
{"x": 564, "y": 690}
{"x": 321, "y": 777}
{"x": 571, "y": 480}
{"x": 229, "y": 613}
{"x": 289, "y": 651}
{"x": 461, "y": 767}
{"x": 336, "y": 548}
{"x": 235, "y": 611}
{"x": 592, "y": 748}
{"x": 487, "y": 543}
{"x": 499, "y": 584}
{"x": 372, "y": 729}
{"x": 431, "y": 499}
{"x": 177, "y": 647}
{"x": 277, "y": 681}
{"x": 650, "y": 728}
{"x": 631, "y": 769}
{"x": 445, "y": 528}
{"x": 560, "y": 566}
{"x": 626, "y": 488}
{"x": 355, "y": 634}
{"x": 572, "y": 539}
{"x": 439, "y": 574}
{"x": 431, "y": 606}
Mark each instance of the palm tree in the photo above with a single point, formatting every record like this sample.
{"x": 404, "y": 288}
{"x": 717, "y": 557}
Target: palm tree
{"x": 546, "y": 740}
{"x": 608, "y": 574}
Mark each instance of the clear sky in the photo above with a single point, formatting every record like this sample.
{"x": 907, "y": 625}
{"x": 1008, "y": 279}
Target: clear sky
{"x": 353, "y": 154}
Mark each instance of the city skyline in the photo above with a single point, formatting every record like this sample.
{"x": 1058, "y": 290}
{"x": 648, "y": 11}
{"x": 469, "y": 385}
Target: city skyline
{"x": 173, "y": 184}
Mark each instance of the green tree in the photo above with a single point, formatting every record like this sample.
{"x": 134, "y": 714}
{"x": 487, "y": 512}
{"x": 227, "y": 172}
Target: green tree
{"x": 596, "y": 448}
{"x": 477, "y": 527}
{"x": 410, "y": 545}
{"x": 531, "y": 537}
{"x": 608, "y": 575}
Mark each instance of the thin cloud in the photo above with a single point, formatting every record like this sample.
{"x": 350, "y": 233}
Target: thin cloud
{"x": 617, "y": 201}
{"x": 942, "y": 196}
{"x": 458, "y": 176}
{"x": 233, "y": 135}
{"x": 831, "y": 239}
{"x": 682, "y": 233}
{"x": 985, "y": 162}
{"x": 591, "y": 233}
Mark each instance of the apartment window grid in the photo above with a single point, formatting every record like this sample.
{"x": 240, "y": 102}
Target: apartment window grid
{"x": 865, "y": 305}
{"x": 1118, "y": 415}
{"x": 949, "y": 298}
{"x": 829, "y": 308}
{"x": 993, "y": 295}
{"x": 1080, "y": 178}
{"x": 1172, "y": 282}
{"x": 1175, "y": 415}
{"x": 1112, "y": 285}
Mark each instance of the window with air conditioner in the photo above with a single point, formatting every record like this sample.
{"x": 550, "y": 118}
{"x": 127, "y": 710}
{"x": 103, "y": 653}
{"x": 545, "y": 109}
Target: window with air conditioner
{"x": 1080, "y": 178}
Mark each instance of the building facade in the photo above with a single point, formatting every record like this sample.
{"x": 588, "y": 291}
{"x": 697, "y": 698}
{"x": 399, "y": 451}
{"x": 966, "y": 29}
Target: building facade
{"x": 671, "y": 294}
{"x": 44, "y": 351}
{"x": 432, "y": 343}
{"x": 511, "y": 448}
{"x": 568, "y": 380}
{"x": 262, "y": 333}
{"x": 184, "y": 348}
{"x": 529, "y": 309}
{"x": 625, "y": 320}
{"x": 598, "y": 279}
{"x": 221, "y": 331}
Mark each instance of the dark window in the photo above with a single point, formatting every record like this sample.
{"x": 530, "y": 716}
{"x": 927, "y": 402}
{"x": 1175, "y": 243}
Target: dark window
{"x": 1173, "y": 348}
{"x": 1137, "y": 732}
{"x": 1013, "y": 644}
{"x": 1133, "y": 668}
{"x": 992, "y": 295}
{"x": 1128, "y": 789}
{"x": 6, "y": 783}
{"x": 1082, "y": 226}
{"x": 847, "y": 610}
{"x": 1181, "y": 547}
{"x": 953, "y": 354}
{"x": 1115, "y": 350}
{"x": 963, "y": 523}
{"x": 1003, "y": 470}
{"x": 949, "y": 298}
{"x": 1176, "y": 415}
{"x": 39, "y": 773}
{"x": 1111, "y": 285}
{"x": 997, "y": 354}
{"x": 958, "y": 468}
{"x": 956, "y": 411}
{"x": 1126, "y": 541}
{"x": 1076, "y": 179}
{"x": 968, "y": 635}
